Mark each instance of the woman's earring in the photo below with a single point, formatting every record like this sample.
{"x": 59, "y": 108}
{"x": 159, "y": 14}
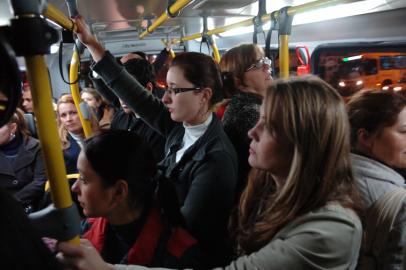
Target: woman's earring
{"x": 12, "y": 136}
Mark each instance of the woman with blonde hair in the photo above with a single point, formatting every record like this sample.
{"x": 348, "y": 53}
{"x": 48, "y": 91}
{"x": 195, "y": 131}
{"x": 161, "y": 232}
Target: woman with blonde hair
{"x": 70, "y": 130}
{"x": 298, "y": 210}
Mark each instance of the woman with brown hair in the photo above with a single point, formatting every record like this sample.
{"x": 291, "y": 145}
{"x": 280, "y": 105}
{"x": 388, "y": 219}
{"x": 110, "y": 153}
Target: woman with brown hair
{"x": 101, "y": 109}
{"x": 246, "y": 75}
{"x": 298, "y": 210}
{"x": 378, "y": 138}
{"x": 21, "y": 167}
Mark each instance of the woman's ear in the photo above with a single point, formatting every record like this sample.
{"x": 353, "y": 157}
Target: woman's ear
{"x": 207, "y": 94}
{"x": 365, "y": 139}
{"x": 121, "y": 191}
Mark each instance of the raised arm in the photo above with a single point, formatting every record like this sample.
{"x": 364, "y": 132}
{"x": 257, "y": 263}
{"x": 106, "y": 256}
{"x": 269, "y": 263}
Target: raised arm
{"x": 125, "y": 86}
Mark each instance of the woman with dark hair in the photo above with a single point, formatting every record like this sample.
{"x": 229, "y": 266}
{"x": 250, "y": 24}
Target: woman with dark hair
{"x": 116, "y": 191}
{"x": 297, "y": 211}
{"x": 94, "y": 100}
{"x": 21, "y": 166}
{"x": 378, "y": 138}
{"x": 246, "y": 75}
{"x": 199, "y": 158}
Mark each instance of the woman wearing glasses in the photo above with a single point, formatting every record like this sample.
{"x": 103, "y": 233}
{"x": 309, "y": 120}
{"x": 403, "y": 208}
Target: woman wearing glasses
{"x": 246, "y": 75}
{"x": 200, "y": 160}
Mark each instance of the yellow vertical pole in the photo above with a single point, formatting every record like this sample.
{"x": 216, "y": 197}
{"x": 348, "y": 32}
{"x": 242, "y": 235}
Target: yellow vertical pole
{"x": 172, "y": 53}
{"x": 47, "y": 131}
{"x": 74, "y": 88}
{"x": 284, "y": 56}
{"x": 216, "y": 52}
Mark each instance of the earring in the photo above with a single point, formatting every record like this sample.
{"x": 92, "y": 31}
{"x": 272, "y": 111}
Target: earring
{"x": 12, "y": 136}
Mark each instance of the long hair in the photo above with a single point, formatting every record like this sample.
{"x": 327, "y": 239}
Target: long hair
{"x": 62, "y": 131}
{"x": 234, "y": 64}
{"x": 314, "y": 120}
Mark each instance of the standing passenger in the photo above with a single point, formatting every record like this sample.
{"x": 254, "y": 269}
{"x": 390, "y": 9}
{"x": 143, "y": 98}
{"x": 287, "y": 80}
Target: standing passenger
{"x": 297, "y": 212}
{"x": 378, "y": 136}
{"x": 200, "y": 160}
{"x": 103, "y": 112}
{"x": 246, "y": 74}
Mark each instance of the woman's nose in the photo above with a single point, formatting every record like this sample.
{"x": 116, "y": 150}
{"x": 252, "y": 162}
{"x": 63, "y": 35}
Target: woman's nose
{"x": 166, "y": 99}
{"x": 252, "y": 133}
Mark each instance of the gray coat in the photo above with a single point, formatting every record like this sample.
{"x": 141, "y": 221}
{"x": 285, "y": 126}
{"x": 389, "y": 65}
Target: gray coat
{"x": 374, "y": 179}
{"x": 328, "y": 238}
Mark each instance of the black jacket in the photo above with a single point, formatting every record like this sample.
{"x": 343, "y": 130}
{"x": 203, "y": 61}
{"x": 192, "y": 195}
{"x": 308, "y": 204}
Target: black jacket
{"x": 205, "y": 177}
{"x": 128, "y": 121}
{"x": 25, "y": 177}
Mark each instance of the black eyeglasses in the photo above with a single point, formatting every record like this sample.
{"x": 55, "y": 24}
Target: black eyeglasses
{"x": 175, "y": 91}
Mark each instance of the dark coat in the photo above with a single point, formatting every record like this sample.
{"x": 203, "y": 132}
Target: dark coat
{"x": 70, "y": 155}
{"x": 241, "y": 114}
{"x": 25, "y": 177}
{"x": 205, "y": 177}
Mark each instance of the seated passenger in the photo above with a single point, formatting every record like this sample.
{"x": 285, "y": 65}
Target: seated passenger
{"x": 27, "y": 104}
{"x": 116, "y": 190}
{"x": 378, "y": 137}
{"x": 103, "y": 112}
{"x": 246, "y": 74}
{"x": 70, "y": 131}
{"x": 200, "y": 160}
{"x": 22, "y": 170}
{"x": 297, "y": 211}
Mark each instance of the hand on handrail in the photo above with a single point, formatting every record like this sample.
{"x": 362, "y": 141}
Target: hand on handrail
{"x": 88, "y": 39}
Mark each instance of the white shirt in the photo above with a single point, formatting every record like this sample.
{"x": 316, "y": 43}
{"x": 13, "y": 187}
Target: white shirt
{"x": 192, "y": 134}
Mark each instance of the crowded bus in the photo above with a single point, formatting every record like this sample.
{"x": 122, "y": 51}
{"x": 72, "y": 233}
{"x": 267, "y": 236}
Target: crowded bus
{"x": 203, "y": 134}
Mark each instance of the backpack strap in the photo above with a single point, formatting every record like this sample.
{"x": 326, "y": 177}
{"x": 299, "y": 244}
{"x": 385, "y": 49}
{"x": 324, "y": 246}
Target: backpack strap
{"x": 379, "y": 223}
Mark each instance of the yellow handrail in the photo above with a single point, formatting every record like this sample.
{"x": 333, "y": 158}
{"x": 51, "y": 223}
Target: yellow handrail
{"x": 74, "y": 88}
{"x": 291, "y": 11}
{"x": 284, "y": 56}
{"x": 68, "y": 177}
{"x": 57, "y": 16}
{"x": 47, "y": 131}
{"x": 216, "y": 52}
{"x": 178, "y": 5}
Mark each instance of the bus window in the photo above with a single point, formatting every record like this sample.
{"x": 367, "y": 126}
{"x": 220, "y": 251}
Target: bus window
{"x": 352, "y": 68}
